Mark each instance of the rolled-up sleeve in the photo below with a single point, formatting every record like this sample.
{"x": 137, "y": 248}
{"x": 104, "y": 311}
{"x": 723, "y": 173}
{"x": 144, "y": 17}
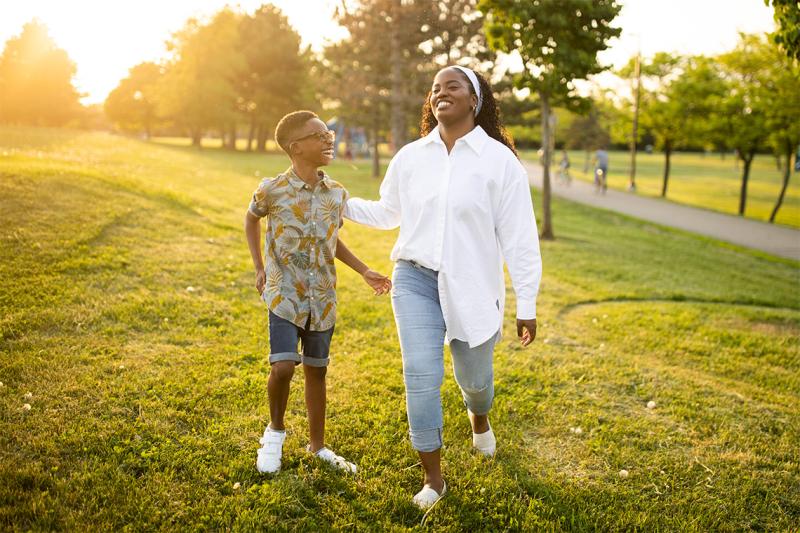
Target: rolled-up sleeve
{"x": 260, "y": 202}
{"x": 519, "y": 239}
{"x": 385, "y": 212}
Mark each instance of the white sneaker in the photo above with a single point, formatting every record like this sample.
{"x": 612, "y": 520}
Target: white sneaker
{"x": 427, "y": 497}
{"x": 268, "y": 459}
{"x": 337, "y": 461}
{"x": 485, "y": 442}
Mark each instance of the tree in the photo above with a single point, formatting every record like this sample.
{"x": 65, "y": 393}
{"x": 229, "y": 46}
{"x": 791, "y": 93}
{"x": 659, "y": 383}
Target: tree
{"x": 558, "y": 43}
{"x": 274, "y": 78}
{"x": 589, "y": 132}
{"x": 787, "y": 17}
{"x": 638, "y": 72}
{"x": 199, "y": 87}
{"x": 453, "y": 34}
{"x": 356, "y": 74}
{"x": 36, "y": 80}
{"x": 742, "y": 114}
{"x": 396, "y": 28}
{"x": 783, "y": 115}
{"x": 677, "y": 112}
{"x": 132, "y": 104}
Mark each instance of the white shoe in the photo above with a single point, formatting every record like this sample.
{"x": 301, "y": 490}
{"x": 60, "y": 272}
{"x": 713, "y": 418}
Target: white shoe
{"x": 427, "y": 497}
{"x": 337, "y": 461}
{"x": 485, "y": 442}
{"x": 268, "y": 458}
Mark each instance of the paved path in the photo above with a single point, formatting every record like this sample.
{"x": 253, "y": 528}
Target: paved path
{"x": 770, "y": 238}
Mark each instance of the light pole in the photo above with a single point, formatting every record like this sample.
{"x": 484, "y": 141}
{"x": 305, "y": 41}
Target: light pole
{"x": 637, "y": 75}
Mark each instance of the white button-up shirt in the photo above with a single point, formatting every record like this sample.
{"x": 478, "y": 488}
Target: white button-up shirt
{"x": 460, "y": 214}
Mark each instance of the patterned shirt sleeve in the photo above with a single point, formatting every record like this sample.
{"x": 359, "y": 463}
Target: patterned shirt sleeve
{"x": 259, "y": 203}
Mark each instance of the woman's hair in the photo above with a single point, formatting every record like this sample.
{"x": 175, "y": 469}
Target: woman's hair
{"x": 488, "y": 117}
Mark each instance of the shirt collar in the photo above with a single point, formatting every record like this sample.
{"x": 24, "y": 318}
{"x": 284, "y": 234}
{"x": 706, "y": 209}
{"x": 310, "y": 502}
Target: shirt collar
{"x": 295, "y": 181}
{"x": 475, "y": 139}
{"x": 433, "y": 136}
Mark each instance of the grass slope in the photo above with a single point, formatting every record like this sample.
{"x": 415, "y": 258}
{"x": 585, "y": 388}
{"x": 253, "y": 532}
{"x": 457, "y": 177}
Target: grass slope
{"x": 148, "y": 398}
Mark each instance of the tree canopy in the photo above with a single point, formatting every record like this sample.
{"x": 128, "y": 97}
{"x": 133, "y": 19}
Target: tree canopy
{"x": 558, "y": 43}
{"x": 36, "y": 80}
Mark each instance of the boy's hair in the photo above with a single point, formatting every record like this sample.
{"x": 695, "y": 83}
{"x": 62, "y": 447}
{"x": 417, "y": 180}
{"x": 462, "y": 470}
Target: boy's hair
{"x": 288, "y": 126}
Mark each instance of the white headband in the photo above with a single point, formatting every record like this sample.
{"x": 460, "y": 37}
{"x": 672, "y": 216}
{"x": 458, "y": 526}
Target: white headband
{"x": 473, "y": 79}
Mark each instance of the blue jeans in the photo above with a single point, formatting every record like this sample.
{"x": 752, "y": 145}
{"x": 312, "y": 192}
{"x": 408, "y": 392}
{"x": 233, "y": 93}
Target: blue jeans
{"x": 421, "y": 328}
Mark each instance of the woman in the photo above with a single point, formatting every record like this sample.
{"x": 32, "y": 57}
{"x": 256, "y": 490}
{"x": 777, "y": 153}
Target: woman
{"x": 463, "y": 203}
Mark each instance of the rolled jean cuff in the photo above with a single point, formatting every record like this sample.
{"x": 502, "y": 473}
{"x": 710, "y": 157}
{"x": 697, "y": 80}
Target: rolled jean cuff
{"x": 426, "y": 440}
{"x": 481, "y": 408}
{"x": 314, "y": 361}
{"x": 284, "y": 356}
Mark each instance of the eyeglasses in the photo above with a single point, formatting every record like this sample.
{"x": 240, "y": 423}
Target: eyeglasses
{"x": 322, "y": 136}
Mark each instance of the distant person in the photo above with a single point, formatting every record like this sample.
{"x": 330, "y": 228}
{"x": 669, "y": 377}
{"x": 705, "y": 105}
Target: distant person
{"x": 303, "y": 208}
{"x": 563, "y": 169}
{"x": 601, "y": 170}
{"x": 463, "y": 203}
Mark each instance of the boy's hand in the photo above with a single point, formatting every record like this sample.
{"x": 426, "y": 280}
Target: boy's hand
{"x": 261, "y": 280}
{"x": 380, "y": 283}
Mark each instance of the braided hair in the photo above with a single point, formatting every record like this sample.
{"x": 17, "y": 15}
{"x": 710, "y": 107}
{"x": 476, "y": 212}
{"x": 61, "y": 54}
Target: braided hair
{"x": 488, "y": 117}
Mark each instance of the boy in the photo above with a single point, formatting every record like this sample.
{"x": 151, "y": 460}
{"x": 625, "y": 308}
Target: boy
{"x": 304, "y": 210}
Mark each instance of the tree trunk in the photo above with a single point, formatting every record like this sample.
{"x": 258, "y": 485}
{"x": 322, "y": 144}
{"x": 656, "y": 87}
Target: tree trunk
{"x": 261, "y": 141}
{"x": 635, "y": 133}
{"x": 547, "y": 221}
{"x": 398, "y": 116}
{"x": 787, "y": 173}
{"x": 667, "y": 154}
{"x": 197, "y": 137}
{"x": 231, "y": 144}
{"x": 376, "y": 157}
{"x": 148, "y": 126}
{"x": 747, "y": 159}
{"x": 251, "y": 133}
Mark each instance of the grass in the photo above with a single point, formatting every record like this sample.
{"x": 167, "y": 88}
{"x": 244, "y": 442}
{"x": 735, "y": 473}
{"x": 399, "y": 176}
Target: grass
{"x": 148, "y": 398}
{"x": 706, "y": 181}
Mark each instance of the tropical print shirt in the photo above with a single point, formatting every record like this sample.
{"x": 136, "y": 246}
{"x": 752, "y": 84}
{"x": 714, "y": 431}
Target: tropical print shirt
{"x": 300, "y": 245}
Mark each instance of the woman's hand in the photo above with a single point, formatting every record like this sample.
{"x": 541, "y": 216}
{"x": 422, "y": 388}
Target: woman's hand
{"x": 379, "y": 283}
{"x": 526, "y": 330}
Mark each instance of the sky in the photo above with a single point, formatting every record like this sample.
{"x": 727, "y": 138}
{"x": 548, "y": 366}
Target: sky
{"x": 107, "y": 37}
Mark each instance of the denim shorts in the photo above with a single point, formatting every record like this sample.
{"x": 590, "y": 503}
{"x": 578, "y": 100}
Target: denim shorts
{"x": 284, "y": 337}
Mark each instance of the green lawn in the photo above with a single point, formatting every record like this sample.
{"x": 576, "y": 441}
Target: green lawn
{"x": 147, "y": 398}
{"x": 700, "y": 180}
